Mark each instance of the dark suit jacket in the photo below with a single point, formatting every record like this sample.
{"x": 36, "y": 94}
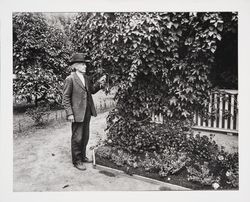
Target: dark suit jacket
{"x": 75, "y": 96}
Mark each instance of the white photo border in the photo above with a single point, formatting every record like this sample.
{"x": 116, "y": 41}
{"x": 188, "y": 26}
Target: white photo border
{"x": 6, "y": 134}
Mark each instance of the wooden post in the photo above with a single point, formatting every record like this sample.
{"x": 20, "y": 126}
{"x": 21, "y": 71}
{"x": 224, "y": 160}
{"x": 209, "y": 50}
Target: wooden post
{"x": 199, "y": 120}
{"x": 237, "y": 114}
{"x": 161, "y": 118}
{"x": 209, "y": 110}
{"x": 232, "y": 112}
{"x": 220, "y": 112}
{"x": 19, "y": 126}
{"x": 226, "y": 110}
{"x": 93, "y": 153}
{"x": 105, "y": 105}
{"x": 194, "y": 117}
{"x": 153, "y": 116}
{"x": 215, "y": 110}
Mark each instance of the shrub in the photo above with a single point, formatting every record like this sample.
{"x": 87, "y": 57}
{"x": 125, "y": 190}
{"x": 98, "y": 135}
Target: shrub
{"x": 118, "y": 160}
{"x": 37, "y": 114}
{"x": 104, "y": 152}
{"x": 150, "y": 163}
{"x": 140, "y": 137}
{"x": 172, "y": 161}
{"x": 120, "y": 157}
{"x": 168, "y": 148}
{"x": 221, "y": 171}
{"x": 232, "y": 178}
{"x": 200, "y": 173}
{"x": 226, "y": 166}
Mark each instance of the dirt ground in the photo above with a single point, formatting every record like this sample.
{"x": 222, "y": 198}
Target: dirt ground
{"x": 42, "y": 162}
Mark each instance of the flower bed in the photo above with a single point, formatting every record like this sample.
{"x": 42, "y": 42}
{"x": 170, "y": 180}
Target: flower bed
{"x": 202, "y": 165}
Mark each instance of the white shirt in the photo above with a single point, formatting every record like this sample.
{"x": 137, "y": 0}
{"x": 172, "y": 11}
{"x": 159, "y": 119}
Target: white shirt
{"x": 81, "y": 77}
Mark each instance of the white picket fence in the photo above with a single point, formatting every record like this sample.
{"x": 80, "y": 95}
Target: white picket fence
{"x": 223, "y": 104}
{"x": 223, "y": 111}
{"x": 157, "y": 118}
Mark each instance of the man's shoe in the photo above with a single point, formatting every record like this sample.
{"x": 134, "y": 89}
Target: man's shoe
{"x": 80, "y": 166}
{"x": 86, "y": 160}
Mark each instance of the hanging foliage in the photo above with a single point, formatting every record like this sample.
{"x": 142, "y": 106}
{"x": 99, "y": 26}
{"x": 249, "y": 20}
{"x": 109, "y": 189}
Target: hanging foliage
{"x": 158, "y": 62}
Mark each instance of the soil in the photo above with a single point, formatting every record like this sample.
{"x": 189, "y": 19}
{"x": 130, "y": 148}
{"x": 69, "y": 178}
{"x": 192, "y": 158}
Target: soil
{"x": 179, "y": 178}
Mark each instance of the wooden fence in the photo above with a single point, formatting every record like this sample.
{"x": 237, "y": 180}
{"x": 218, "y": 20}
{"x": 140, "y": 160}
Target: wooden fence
{"x": 157, "y": 118}
{"x": 105, "y": 104}
{"x": 22, "y": 122}
{"x": 222, "y": 113}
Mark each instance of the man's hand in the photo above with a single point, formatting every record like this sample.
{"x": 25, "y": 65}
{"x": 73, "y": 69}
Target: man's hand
{"x": 71, "y": 118}
{"x": 102, "y": 80}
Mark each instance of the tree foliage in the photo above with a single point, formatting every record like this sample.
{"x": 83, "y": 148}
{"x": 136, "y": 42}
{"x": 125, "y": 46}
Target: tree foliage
{"x": 157, "y": 61}
{"x": 40, "y": 56}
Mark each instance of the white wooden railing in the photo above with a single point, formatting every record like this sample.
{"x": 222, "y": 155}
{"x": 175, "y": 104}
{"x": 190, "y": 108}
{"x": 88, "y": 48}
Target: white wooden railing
{"x": 223, "y": 113}
{"x": 223, "y": 107}
{"x": 157, "y": 118}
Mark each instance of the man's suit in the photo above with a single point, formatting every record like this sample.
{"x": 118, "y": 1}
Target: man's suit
{"x": 78, "y": 101}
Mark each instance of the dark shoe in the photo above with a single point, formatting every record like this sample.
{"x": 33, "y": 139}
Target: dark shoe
{"x": 80, "y": 166}
{"x": 86, "y": 160}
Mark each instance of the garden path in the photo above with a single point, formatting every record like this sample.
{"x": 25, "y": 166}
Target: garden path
{"x": 42, "y": 162}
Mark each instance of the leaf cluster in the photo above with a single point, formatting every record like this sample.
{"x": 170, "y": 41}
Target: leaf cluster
{"x": 40, "y": 57}
{"x": 156, "y": 61}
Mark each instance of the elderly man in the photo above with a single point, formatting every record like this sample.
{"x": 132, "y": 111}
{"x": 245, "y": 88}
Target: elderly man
{"x": 79, "y": 106}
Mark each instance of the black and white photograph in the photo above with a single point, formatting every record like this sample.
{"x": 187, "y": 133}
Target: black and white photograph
{"x": 129, "y": 100}
{"x": 103, "y": 95}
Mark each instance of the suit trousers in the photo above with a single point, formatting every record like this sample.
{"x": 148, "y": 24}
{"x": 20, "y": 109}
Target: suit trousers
{"x": 80, "y": 137}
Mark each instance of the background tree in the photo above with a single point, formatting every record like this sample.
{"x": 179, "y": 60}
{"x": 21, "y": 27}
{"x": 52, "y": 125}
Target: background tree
{"x": 40, "y": 55}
